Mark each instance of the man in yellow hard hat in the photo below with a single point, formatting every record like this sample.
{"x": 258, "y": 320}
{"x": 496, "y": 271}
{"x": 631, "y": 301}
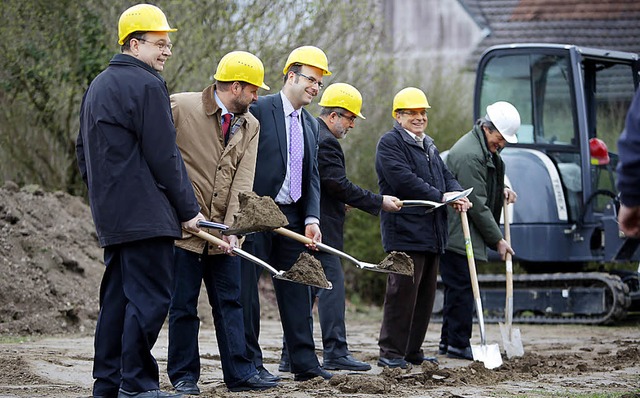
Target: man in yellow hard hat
{"x": 140, "y": 195}
{"x": 408, "y": 165}
{"x": 218, "y": 138}
{"x": 341, "y": 104}
{"x": 287, "y": 171}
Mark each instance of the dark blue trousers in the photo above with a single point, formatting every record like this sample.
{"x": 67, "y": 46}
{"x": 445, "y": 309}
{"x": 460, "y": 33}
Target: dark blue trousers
{"x": 331, "y": 308}
{"x": 135, "y": 294}
{"x": 221, "y": 276}
{"x": 457, "y": 313}
{"x": 294, "y": 299}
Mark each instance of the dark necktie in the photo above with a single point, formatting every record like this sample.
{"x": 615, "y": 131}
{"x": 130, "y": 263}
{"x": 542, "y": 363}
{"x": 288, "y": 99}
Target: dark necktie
{"x": 296, "y": 152}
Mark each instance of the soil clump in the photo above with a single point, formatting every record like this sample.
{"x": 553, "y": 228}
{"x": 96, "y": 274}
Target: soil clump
{"x": 308, "y": 270}
{"x": 398, "y": 263}
{"x": 256, "y": 214}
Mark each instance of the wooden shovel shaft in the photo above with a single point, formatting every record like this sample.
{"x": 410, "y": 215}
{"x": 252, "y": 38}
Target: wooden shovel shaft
{"x": 321, "y": 246}
{"x": 472, "y": 273}
{"x": 508, "y": 310}
{"x": 241, "y": 253}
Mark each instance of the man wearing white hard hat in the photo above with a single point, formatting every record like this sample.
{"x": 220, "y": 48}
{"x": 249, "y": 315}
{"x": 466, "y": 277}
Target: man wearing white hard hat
{"x": 475, "y": 162}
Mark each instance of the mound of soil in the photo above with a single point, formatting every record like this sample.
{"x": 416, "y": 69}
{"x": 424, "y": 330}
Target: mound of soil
{"x": 398, "y": 263}
{"x": 308, "y": 270}
{"x": 50, "y": 262}
{"x": 256, "y": 214}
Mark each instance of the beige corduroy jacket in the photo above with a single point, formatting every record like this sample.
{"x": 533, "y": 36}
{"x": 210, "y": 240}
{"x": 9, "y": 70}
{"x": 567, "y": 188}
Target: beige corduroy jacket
{"x": 218, "y": 173}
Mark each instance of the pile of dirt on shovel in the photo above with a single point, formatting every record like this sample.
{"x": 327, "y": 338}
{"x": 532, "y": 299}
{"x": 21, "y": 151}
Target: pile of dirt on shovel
{"x": 257, "y": 213}
{"x": 50, "y": 262}
{"x": 308, "y": 270}
{"x": 398, "y": 262}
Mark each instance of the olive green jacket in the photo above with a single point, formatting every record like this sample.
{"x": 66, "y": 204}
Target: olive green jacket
{"x": 473, "y": 165}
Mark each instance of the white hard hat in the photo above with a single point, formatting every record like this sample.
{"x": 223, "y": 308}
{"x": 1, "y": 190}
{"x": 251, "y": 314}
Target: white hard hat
{"x": 506, "y": 118}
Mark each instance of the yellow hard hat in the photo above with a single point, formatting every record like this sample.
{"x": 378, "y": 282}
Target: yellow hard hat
{"x": 142, "y": 18}
{"x": 308, "y": 55}
{"x": 241, "y": 66}
{"x": 409, "y": 98}
{"x": 342, "y": 95}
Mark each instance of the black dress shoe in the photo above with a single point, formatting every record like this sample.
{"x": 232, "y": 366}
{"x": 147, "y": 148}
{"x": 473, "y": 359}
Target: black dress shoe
{"x": 419, "y": 360}
{"x": 266, "y": 375}
{"x": 442, "y": 349}
{"x": 284, "y": 365}
{"x": 187, "y": 387}
{"x": 312, "y": 373}
{"x": 460, "y": 353}
{"x": 346, "y": 362}
{"x": 392, "y": 363}
{"x": 148, "y": 394}
{"x": 254, "y": 383}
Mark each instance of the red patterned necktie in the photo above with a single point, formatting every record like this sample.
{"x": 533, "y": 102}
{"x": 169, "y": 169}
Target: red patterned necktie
{"x": 226, "y": 122}
{"x": 296, "y": 153}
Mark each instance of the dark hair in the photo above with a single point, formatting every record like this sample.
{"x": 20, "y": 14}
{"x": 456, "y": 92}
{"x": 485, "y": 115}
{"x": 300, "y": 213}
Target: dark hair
{"x": 325, "y": 111}
{"x": 483, "y": 122}
{"x": 292, "y": 68}
{"x": 126, "y": 46}
{"x": 226, "y": 86}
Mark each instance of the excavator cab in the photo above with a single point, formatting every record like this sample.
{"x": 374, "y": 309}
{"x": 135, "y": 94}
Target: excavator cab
{"x": 572, "y": 103}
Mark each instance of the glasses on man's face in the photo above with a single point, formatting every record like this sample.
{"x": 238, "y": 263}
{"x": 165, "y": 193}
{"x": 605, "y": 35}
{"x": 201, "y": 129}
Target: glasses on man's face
{"x": 414, "y": 113}
{"x": 351, "y": 119}
{"x": 311, "y": 80}
{"x": 161, "y": 44}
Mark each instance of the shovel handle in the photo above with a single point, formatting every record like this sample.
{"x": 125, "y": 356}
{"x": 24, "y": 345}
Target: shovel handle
{"x": 508, "y": 310}
{"x": 239, "y": 252}
{"x": 294, "y": 235}
{"x": 321, "y": 246}
{"x": 473, "y": 275}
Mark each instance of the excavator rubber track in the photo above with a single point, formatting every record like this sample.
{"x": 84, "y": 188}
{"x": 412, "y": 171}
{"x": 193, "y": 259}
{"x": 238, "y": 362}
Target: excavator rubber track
{"x": 558, "y": 298}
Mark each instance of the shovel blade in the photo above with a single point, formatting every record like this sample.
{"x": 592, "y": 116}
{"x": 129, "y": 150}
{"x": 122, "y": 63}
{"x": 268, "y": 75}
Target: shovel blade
{"x": 488, "y": 354}
{"x": 376, "y": 268}
{"x": 284, "y": 278}
{"x": 512, "y": 341}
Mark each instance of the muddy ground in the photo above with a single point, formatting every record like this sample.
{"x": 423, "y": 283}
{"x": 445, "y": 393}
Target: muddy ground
{"x": 51, "y": 269}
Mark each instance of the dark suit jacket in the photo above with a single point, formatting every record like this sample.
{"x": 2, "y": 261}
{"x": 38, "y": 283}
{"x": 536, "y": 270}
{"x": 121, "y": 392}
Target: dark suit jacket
{"x": 337, "y": 190}
{"x": 271, "y": 164}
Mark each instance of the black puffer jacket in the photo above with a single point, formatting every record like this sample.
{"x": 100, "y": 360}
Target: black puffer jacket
{"x": 408, "y": 171}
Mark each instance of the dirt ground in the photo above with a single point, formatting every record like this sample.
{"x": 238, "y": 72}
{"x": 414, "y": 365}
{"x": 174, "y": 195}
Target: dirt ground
{"x": 51, "y": 268}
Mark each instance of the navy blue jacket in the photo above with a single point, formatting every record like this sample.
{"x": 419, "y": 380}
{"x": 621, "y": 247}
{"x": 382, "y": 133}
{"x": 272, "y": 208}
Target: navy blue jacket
{"x": 128, "y": 157}
{"x": 271, "y": 164}
{"x": 408, "y": 171}
{"x": 336, "y": 190}
{"x": 629, "y": 165}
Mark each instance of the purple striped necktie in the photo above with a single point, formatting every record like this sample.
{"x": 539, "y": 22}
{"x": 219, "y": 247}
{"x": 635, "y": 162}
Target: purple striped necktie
{"x": 296, "y": 153}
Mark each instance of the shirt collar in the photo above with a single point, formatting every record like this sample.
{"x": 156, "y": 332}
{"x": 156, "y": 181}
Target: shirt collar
{"x": 221, "y": 105}
{"x": 286, "y": 105}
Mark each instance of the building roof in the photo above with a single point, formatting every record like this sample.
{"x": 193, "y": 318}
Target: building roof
{"x": 607, "y": 24}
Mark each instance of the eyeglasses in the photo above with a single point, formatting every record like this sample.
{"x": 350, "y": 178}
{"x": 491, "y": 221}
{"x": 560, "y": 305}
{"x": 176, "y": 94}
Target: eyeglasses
{"x": 160, "y": 44}
{"x": 413, "y": 113}
{"x": 350, "y": 118}
{"x": 312, "y": 80}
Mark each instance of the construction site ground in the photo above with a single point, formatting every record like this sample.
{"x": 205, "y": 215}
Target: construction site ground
{"x": 51, "y": 268}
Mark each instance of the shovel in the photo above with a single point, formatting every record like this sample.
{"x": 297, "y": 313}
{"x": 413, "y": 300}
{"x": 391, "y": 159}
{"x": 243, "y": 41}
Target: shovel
{"x": 487, "y": 354}
{"x": 326, "y": 248}
{"x": 241, "y": 253}
{"x": 510, "y": 337}
{"x": 433, "y": 205}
